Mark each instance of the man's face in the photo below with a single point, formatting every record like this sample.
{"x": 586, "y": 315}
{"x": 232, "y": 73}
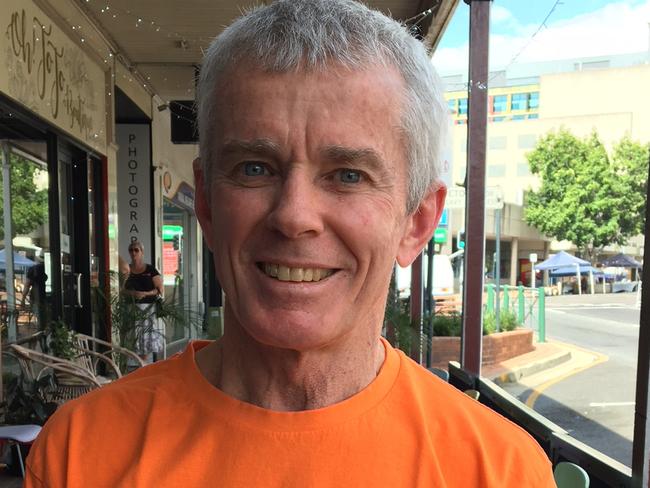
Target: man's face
{"x": 306, "y": 210}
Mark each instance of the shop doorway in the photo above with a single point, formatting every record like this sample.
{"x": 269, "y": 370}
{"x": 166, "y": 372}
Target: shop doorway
{"x": 176, "y": 263}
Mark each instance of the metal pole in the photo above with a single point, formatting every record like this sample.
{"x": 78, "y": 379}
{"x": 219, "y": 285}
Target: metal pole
{"x": 497, "y": 268}
{"x": 541, "y": 315}
{"x": 532, "y": 275}
{"x": 9, "y": 246}
{"x": 479, "y": 39}
{"x": 641, "y": 442}
{"x": 431, "y": 304}
{"x": 579, "y": 278}
{"x": 521, "y": 312}
{"x": 416, "y": 309}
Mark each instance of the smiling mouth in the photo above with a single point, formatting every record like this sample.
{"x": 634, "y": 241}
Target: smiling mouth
{"x": 284, "y": 273}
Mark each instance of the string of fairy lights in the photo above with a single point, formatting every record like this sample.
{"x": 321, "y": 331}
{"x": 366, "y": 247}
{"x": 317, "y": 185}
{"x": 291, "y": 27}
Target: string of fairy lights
{"x": 106, "y": 11}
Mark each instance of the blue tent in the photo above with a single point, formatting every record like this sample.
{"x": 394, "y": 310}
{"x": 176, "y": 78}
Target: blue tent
{"x": 562, "y": 260}
{"x": 621, "y": 261}
{"x": 573, "y": 270}
{"x": 19, "y": 260}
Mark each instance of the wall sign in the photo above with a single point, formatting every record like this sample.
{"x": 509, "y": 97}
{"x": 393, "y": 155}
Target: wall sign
{"x": 134, "y": 188}
{"x": 48, "y": 73}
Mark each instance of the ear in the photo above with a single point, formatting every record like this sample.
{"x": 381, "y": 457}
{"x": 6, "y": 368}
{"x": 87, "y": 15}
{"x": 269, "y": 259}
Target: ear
{"x": 202, "y": 207}
{"x": 421, "y": 224}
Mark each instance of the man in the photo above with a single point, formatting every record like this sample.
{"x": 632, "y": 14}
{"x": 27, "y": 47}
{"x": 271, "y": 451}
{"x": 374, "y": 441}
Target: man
{"x": 35, "y": 290}
{"x": 320, "y": 124}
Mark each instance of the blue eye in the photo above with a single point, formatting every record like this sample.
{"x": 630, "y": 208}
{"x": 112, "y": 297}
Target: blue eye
{"x": 350, "y": 176}
{"x": 254, "y": 169}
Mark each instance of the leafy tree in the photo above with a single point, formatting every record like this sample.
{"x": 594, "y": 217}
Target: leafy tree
{"x": 584, "y": 197}
{"x": 28, "y": 204}
{"x": 630, "y": 160}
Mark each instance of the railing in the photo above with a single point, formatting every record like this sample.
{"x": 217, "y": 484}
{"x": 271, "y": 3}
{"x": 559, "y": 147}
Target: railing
{"x": 527, "y": 304}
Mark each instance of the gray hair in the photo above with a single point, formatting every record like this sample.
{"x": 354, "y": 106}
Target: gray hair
{"x": 312, "y": 34}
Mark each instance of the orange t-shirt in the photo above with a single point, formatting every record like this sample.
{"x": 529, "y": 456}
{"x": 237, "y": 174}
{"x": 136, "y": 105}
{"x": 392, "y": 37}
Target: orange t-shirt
{"x": 165, "y": 425}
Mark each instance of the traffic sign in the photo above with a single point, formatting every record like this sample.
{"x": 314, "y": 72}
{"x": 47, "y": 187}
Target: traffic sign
{"x": 444, "y": 218}
{"x": 440, "y": 236}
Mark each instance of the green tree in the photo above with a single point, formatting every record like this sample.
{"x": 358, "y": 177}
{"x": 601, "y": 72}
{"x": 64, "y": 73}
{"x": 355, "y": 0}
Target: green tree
{"x": 584, "y": 197}
{"x": 630, "y": 160}
{"x": 29, "y": 207}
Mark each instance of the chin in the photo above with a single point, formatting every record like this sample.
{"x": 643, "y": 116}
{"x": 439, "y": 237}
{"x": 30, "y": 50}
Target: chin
{"x": 297, "y": 331}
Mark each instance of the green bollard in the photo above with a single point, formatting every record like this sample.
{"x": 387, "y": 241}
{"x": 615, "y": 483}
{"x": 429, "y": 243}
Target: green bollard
{"x": 490, "y": 298}
{"x": 541, "y": 315}
{"x": 522, "y": 305}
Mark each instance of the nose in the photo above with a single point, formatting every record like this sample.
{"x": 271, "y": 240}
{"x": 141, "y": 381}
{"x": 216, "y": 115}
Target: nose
{"x": 296, "y": 210}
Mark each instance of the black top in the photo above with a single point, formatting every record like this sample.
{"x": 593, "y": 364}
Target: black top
{"x": 142, "y": 282}
{"x": 37, "y": 277}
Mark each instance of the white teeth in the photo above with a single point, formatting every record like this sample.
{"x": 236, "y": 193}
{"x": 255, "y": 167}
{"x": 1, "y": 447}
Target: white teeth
{"x": 284, "y": 273}
{"x": 297, "y": 274}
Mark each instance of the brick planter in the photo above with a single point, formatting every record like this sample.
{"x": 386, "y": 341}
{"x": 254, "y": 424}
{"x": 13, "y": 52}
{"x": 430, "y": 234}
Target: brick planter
{"x": 496, "y": 347}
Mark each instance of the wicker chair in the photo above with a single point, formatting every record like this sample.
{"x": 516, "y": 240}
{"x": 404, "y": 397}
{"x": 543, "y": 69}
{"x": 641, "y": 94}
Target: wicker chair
{"x": 114, "y": 353}
{"x": 69, "y": 379}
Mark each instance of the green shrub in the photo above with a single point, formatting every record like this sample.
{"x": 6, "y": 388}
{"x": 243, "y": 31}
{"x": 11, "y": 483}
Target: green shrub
{"x": 507, "y": 322}
{"x": 448, "y": 325}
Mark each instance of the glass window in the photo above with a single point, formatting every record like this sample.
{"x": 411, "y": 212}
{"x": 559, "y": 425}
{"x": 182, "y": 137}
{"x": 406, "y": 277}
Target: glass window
{"x": 533, "y": 116}
{"x": 518, "y": 117}
{"x": 496, "y": 170}
{"x": 497, "y": 142}
{"x": 533, "y": 101}
{"x": 526, "y": 141}
{"x": 498, "y": 119}
{"x": 519, "y": 101}
{"x": 462, "y": 106}
{"x": 500, "y": 103}
{"x": 452, "y": 105}
{"x": 523, "y": 169}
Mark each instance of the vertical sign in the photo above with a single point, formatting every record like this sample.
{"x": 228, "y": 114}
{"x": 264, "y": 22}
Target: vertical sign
{"x": 134, "y": 188}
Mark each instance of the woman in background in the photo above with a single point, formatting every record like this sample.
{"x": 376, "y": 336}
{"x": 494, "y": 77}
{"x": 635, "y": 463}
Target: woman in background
{"x": 145, "y": 285}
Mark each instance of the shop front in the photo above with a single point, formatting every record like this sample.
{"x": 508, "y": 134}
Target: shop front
{"x": 53, "y": 141}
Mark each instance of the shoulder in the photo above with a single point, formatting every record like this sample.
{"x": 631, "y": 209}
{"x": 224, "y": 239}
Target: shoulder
{"x": 152, "y": 270}
{"x": 489, "y": 443}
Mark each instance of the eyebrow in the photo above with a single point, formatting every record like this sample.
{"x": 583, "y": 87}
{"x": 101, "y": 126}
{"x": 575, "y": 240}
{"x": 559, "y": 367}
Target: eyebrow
{"x": 261, "y": 147}
{"x": 349, "y": 155}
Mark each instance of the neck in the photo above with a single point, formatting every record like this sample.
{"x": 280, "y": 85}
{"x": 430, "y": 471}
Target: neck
{"x": 289, "y": 380}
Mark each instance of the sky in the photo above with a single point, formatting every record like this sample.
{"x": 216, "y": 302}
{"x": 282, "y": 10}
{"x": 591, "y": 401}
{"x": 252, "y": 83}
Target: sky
{"x": 574, "y": 28}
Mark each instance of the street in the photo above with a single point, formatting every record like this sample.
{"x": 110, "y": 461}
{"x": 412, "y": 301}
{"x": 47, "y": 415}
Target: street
{"x": 594, "y": 403}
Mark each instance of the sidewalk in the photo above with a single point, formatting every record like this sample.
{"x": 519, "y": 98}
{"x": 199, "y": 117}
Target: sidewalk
{"x": 549, "y": 359}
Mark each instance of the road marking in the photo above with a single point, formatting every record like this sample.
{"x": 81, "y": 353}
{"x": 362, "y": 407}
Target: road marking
{"x": 612, "y": 404}
{"x": 532, "y": 398}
